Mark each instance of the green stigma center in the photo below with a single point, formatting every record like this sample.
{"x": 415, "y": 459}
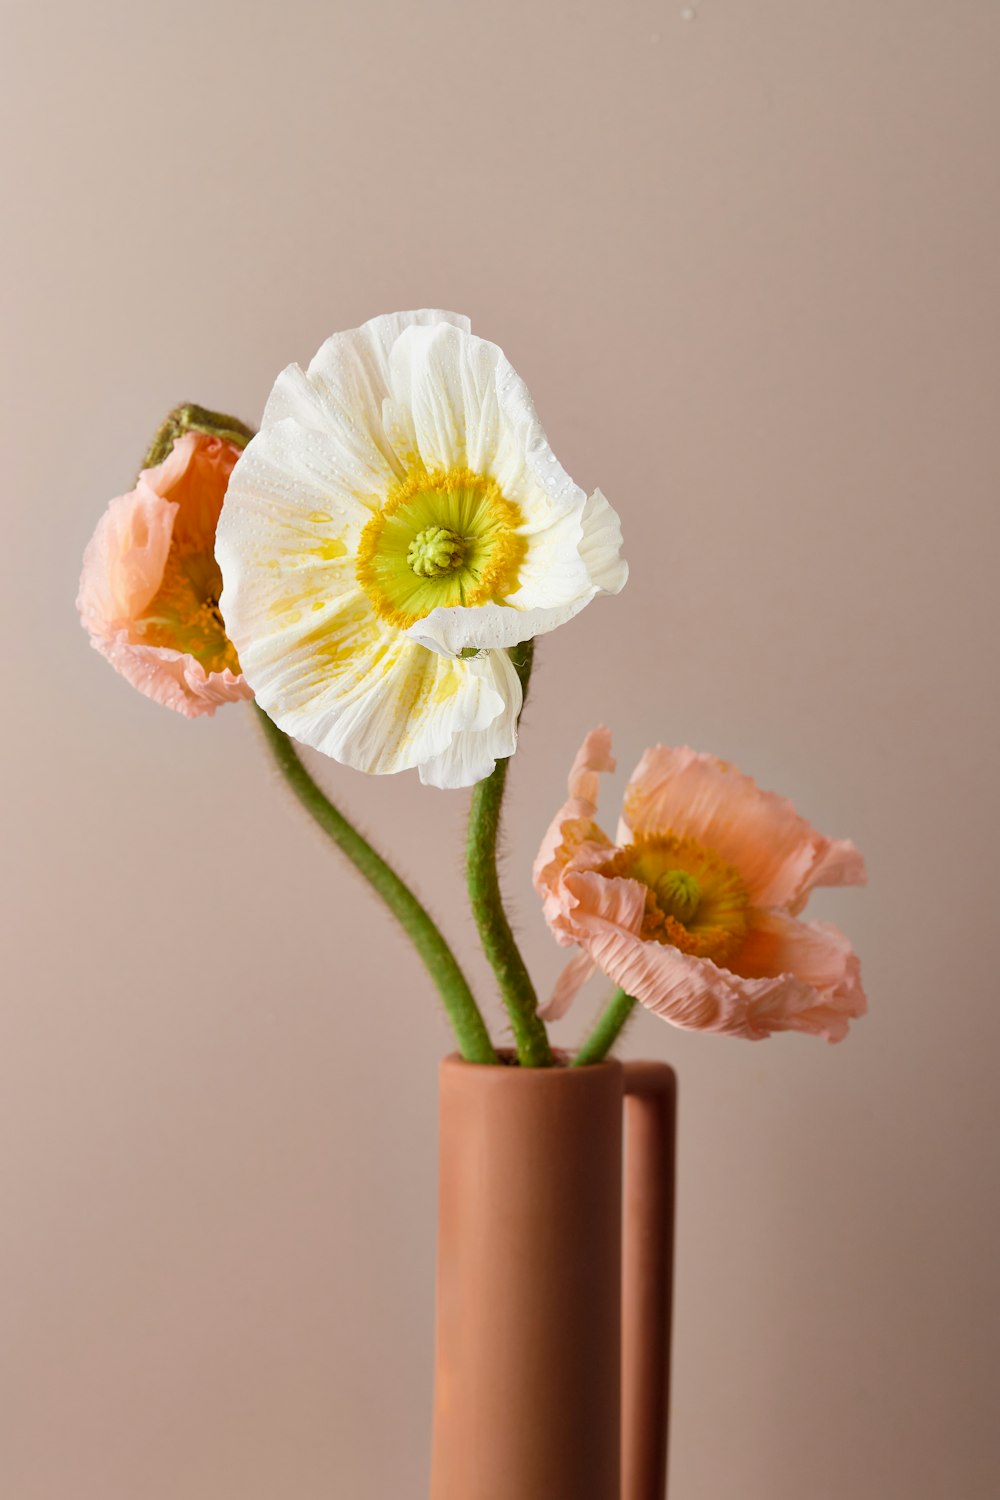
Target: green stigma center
{"x": 436, "y": 551}
{"x": 678, "y": 894}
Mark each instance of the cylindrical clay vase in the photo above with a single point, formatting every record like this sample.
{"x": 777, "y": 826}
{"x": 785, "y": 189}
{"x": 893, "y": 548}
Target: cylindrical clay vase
{"x": 552, "y": 1325}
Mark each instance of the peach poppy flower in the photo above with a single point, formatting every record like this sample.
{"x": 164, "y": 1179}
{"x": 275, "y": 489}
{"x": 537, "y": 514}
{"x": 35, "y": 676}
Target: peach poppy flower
{"x": 694, "y": 912}
{"x": 149, "y": 590}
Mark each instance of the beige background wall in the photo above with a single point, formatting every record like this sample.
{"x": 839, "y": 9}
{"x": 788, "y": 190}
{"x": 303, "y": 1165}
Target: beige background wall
{"x": 748, "y": 265}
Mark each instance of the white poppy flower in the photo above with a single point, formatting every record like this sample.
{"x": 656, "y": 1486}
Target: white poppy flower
{"x": 396, "y": 524}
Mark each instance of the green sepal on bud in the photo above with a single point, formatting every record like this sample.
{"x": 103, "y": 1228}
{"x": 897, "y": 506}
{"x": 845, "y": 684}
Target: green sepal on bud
{"x": 193, "y": 418}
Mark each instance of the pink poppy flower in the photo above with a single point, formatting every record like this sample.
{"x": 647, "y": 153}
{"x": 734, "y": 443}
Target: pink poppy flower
{"x": 149, "y": 590}
{"x": 694, "y": 911}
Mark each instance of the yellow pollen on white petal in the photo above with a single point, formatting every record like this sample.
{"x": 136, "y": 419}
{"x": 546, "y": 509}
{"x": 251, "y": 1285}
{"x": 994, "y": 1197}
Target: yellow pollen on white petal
{"x": 442, "y": 538}
{"x": 330, "y": 550}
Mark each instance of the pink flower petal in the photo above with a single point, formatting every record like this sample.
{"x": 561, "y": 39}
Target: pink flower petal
{"x": 176, "y": 502}
{"x": 173, "y": 678}
{"x": 803, "y": 976}
{"x": 593, "y": 757}
{"x": 195, "y": 475}
{"x": 794, "y": 976}
{"x": 572, "y": 979}
{"x": 573, "y": 830}
{"x": 124, "y": 561}
{"x": 689, "y": 992}
{"x": 780, "y": 856}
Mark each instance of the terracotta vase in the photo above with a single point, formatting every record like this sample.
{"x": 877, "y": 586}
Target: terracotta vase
{"x": 553, "y": 1283}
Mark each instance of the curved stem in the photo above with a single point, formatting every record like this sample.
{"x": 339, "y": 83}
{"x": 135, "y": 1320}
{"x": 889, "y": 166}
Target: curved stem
{"x": 463, "y": 1012}
{"x": 499, "y": 944}
{"x": 607, "y": 1031}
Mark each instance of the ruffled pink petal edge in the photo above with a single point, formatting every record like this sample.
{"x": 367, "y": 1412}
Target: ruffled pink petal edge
{"x": 807, "y": 979}
{"x": 779, "y": 855}
{"x": 173, "y": 678}
{"x": 573, "y": 825}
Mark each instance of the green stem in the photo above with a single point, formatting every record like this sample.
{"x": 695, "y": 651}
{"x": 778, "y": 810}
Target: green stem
{"x": 499, "y": 944}
{"x": 607, "y": 1031}
{"x": 463, "y": 1012}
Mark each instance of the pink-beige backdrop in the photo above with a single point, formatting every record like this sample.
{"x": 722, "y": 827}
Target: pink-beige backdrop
{"x": 749, "y": 264}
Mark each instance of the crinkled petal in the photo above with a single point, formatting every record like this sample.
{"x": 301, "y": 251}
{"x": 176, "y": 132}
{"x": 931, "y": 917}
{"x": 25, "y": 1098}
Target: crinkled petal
{"x": 473, "y": 753}
{"x": 352, "y": 687}
{"x": 174, "y": 679}
{"x": 794, "y": 976}
{"x": 195, "y": 474}
{"x": 569, "y": 984}
{"x": 803, "y": 976}
{"x": 573, "y": 835}
{"x": 452, "y": 629}
{"x": 296, "y": 477}
{"x": 592, "y": 760}
{"x": 689, "y": 992}
{"x": 443, "y": 409}
{"x": 124, "y": 561}
{"x": 601, "y": 545}
{"x": 779, "y": 856}
{"x": 288, "y": 536}
{"x": 345, "y": 385}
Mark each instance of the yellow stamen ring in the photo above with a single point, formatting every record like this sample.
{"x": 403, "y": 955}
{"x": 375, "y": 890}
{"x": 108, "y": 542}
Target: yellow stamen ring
{"x": 695, "y": 901}
{"x": 442, "y": 538}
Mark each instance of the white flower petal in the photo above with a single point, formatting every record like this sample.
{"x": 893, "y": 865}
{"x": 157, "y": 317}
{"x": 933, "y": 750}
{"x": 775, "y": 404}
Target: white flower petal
{"x": 295, "y": 396}
{"x": 601, "y": 545}
{"x": 473, "y": 753}
{"x": 354, "y": 688}
{"x": 351, "y": 373}
{"x": 367, "y": 350}
{"x": 484, "y": 627}
{"x": 442, "y": 408}
{"x": 288, "y": 474}
{"x": 288, "y": 534}
{"x": 345, "y": 385}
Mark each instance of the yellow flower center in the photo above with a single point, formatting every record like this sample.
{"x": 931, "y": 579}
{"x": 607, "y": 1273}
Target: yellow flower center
{"x": 695, "y": 901}
{"x": 184, "y": 614}
{"x": 445, "y": 537}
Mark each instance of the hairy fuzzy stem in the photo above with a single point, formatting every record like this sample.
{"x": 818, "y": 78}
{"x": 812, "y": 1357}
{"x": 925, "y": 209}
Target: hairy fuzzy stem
{"x": 499, "y": 944}
{"x": 607, "y": 1031}
{"x": 463, "y": 1012}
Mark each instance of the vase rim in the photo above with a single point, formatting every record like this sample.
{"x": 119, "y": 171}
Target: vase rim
{"x": 510, "y": 1068}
